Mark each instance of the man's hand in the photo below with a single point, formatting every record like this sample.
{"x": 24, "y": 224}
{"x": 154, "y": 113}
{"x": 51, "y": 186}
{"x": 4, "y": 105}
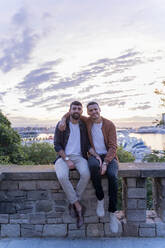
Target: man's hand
{"x": 70, "y": 164}
{"x": 100, "y": 161}
{"x": 62, "y": 125}
{"x": 103, "y": 168}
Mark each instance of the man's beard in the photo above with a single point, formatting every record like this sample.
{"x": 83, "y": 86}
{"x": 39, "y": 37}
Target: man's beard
{"x": 76, "y": 116}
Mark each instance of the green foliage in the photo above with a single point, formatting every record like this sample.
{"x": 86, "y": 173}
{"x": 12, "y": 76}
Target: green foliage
{"x": 4, "y": 160}
{"x": 4, "y": 120}
{"x": 124, "y": 156}
{"x": 155, "y": 156}
{"x": 10, "y": 142}
{"x": 149, "y": 193}
{"x": 39, "y": 153}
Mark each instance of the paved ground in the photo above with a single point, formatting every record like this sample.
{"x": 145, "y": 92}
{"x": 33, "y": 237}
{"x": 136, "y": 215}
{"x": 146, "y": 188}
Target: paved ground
{"x": 88, "y": 243}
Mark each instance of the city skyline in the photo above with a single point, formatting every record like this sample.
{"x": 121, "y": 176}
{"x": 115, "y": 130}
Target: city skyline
{"x": 55, "y": 52}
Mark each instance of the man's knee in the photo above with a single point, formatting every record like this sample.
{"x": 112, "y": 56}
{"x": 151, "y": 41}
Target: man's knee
{"x": 112, "y": 170}
{"x": 85, "y": 174}
{"x": 93, "y": 163}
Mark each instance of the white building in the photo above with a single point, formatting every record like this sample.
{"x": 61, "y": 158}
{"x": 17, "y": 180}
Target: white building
{"x": 163, "y": 118}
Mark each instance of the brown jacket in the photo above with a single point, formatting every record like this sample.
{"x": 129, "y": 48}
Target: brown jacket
{"x": 110, "y": 138}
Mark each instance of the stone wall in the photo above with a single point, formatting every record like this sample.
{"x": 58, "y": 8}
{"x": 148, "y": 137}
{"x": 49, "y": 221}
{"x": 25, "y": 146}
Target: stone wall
{"x": 32, "y": 204}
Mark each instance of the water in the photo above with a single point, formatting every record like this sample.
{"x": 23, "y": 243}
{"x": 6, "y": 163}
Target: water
{"x": 155, "y": 141}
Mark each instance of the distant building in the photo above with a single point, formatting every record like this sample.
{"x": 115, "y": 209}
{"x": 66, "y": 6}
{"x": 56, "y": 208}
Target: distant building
{"x": 163, "y": 118}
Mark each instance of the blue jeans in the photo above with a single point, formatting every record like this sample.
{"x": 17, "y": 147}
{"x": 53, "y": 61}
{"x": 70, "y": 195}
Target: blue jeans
{"x": 112, "y": 172}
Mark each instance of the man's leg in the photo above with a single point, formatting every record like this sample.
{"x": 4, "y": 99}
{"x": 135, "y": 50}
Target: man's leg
{"x": 112, "y": 171}
{"x": 81, "y": 165}
{"x": 62, "y": 172}
{"x": 94, "y": 167}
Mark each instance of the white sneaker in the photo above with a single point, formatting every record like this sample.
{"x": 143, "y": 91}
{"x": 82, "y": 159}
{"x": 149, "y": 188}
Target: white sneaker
{"x": 113, "y": 223}
{"x": 100, "y": 208}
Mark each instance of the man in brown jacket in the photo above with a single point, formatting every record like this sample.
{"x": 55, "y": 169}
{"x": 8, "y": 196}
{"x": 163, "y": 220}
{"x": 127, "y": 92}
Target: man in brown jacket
{"x": 102, "y": 136}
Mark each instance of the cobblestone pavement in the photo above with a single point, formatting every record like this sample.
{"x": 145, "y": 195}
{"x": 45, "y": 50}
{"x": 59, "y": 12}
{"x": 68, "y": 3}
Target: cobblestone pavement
{"x": 79, "y": 243}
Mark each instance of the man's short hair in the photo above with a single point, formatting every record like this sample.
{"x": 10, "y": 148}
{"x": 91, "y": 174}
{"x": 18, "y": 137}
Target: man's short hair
{"x": 92, "y": 103}
{"x": 75, "y": 103}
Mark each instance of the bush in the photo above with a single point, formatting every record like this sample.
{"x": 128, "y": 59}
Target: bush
{"x": 39, "y": 153}
{"x": 124, "y": 156}
{"x": 155, "y": 156}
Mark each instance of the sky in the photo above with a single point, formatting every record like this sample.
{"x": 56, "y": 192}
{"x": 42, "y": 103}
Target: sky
{"x": 56, "y": 51}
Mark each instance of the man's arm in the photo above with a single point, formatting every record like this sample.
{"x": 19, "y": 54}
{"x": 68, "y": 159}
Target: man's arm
{"x": 62, "y": 123}
{"x": 59, "y": 149}
{"x": 112, "y": 143}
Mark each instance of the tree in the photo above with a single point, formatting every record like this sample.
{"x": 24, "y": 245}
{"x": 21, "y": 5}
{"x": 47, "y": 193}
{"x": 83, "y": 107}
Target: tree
{"x": 10, "y": 142}
{"x": 4, "y": 120}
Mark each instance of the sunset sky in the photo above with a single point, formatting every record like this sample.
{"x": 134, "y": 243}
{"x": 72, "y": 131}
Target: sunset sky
{"x": 56, "y": 51}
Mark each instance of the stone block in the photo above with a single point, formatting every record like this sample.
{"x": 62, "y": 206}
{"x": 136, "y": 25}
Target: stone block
{"x": 54, "y": 215}
{"x": 104, "y": 219}
{"x": 131, "y": 203}
{"x": 136, "y": 193}
{"x": 55, "y": 230}
{"x": 7, "y": 208}
{"x": 108, "y": 233}
{"x": 91, "y": 219}
{"x": 160, "y": 229}
{"x": 19, "y": 219}
{"x": 27, "y": 185}
{"x": 148, "y": 224}
{"x": 8, "y": 196}
{"x": 37, "y": 218}
{"x": 37, "y": 195}
{"x": 131, "y": 182}
{"x": 58, "y": 196}
{"x": 162, "y": 214}
{"x": 72, "y": 227}
{"x": 95, "y": 230}
{"x": 10, "y": 230}
{"x": 141, "y": 182}
{"x": 142, "y": 204}
{"x": 130, "y": 229}
{"x": 76, "y": 234}
{"x": 24, "y": 207}
{"x": 147, "y": 232}
{"x": 4, "y": 218}
{"x": 44, "y": 206}
{"x": 68, "y": 219}
{"x": 162, "y": 180}
{"x": 163, "y": 191}
{"x": 9, "y": 185}
{"x": 48, "y": 185}
{"x": 55, "y": 220}
{"x": 136, "y": 215}
{"x": 60, "y": 203}
{"x": 31, "y": 230}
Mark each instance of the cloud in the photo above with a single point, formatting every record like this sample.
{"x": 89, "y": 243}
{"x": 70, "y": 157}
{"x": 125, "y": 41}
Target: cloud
{"x": 17, "y": 48}
{"x": 20, "y": 18}
{"x": 32, "y": 81}
{"x": 3, "y": 93}
{"x": 52, "y": 63}
{"x": 141, "y": 107}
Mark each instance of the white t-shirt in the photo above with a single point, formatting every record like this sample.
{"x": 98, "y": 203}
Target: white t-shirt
{"x": 73, "y": 145}
{"x": 98, "y": 138}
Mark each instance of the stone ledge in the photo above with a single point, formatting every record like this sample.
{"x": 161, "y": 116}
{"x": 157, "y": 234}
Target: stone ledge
{"x": 46, "y": 172}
